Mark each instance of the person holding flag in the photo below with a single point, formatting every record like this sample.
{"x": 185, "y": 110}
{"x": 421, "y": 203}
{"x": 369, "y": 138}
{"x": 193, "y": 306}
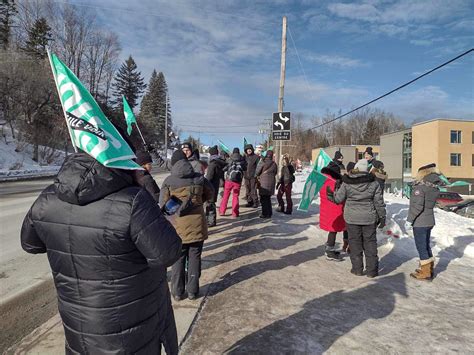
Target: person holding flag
{"x": 108, "y": 243}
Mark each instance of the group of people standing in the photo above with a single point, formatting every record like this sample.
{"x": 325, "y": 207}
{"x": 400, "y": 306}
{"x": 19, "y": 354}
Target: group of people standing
{"x": 109, "y": 243}
{"x": 352, "y": 202}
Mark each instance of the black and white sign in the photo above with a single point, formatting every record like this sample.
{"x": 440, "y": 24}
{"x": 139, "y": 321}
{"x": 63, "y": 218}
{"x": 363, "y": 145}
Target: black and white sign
{"x": 281, "y": 126}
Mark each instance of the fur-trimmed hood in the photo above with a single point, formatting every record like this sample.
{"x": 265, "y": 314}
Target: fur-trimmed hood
{"x": 356, "y": 177}
{"x": 422, "y": 174}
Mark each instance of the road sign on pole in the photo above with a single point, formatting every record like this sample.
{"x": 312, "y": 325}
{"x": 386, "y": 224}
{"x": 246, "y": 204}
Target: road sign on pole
{"x": 281, "y": 126}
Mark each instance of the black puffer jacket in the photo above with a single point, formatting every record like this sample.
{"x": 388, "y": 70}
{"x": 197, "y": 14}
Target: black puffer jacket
{"x": 108, "y": 246}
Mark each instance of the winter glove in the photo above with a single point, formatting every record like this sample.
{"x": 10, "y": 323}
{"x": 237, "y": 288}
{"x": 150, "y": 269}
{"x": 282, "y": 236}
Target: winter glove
{"x": 330, "y": 194}
{"x": 381, "y": 223}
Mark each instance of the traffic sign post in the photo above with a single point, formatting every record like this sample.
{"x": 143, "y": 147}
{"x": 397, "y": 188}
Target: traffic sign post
{"x": 281, "y": 126}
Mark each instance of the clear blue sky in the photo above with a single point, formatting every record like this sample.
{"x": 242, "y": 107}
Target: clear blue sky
{"x": 222, "y": 58}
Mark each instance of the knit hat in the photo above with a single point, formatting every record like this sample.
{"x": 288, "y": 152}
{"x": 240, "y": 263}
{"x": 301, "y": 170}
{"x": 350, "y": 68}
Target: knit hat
{"x": 143, "y": 158}
{"x": 429, "y": 166}
{"x": 177, "y": 156}
{"x": 350, "y": 166}
{"x": 369, "y": 151}
{"x": 338, "y": 155}
{"x": 187, "y": 145}
{"x": 213, "y": 150}
{"x": 362, "y": 165}
{"x": 236, "y": 151}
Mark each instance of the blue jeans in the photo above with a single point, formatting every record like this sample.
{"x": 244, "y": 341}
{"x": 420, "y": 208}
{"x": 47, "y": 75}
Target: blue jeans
{"x": 422, "y": 241}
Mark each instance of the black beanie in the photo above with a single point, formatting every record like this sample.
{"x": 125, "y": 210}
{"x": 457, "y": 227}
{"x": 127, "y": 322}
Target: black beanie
{"x": 236, "y": 151}
{"x": 338, "y": 155}
{"x": 187, "y": 145}
{"x": 350, "y": 166}
{"x": 177, "y": 156}
{"x": 368, "y": 150}
{"x": 143, "y": 158}
{"x": 213, "y": 150}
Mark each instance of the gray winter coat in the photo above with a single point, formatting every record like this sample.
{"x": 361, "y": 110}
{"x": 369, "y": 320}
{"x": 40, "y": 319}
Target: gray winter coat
{"x": 266, "y": 173}
{"x": 363, "y": 198}
{"x": 423, "y": 199}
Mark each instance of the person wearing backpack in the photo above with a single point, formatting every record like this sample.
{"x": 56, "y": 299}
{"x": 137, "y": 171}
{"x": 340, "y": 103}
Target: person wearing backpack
{"x": 215, "y": 173}
{"x": 234, "y": 173}
{"x": 193, "y": 190}
{"x": 284, "y": 186}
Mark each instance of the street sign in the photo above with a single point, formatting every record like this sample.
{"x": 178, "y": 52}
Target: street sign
{"x": 281, "y": 126}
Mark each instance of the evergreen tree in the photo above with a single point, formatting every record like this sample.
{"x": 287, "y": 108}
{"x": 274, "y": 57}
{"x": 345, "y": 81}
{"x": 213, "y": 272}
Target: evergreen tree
{"x": 372, "y": 132}
{"x": 39, "y": 36}
{"x": 153, "y": 110}
{"x": 7, "y": 12}
{"x": 128, "y": 82}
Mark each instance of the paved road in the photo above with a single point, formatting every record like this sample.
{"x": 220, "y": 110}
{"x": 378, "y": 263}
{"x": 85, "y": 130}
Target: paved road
{"x": 19, "y": 270}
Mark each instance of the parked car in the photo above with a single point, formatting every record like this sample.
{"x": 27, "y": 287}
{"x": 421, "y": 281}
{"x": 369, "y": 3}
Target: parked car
{"x": 464, "y": 208}
{"x": 448, "y": 199}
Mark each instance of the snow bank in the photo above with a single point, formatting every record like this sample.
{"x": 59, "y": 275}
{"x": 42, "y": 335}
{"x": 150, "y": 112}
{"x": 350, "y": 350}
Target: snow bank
{"x": 452, "y": 234}
{"x": 14, "y": 165}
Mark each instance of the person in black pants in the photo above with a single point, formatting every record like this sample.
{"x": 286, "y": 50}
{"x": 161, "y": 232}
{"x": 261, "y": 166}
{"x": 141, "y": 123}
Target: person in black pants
{"x": 364, "y": 208}
{"x": 266, "y": 174}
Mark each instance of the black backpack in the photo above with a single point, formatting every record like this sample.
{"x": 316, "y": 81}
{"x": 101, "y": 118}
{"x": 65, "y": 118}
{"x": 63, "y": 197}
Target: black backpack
{"x": 235, "y": 172}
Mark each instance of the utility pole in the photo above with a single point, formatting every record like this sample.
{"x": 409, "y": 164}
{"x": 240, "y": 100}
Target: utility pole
{"x": 166, "y": 127}
{"x": 282, "y": 80}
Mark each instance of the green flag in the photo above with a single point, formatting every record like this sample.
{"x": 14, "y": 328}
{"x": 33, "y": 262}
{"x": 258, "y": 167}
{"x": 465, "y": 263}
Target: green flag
{"x": 245, "y": 142}
{"x": 90, "y": 130}
{"x": 264, "y": 153}
{"x": 129, "y": 116}
{"x": 223, "y": 147}
{"x": 315, "y": 181}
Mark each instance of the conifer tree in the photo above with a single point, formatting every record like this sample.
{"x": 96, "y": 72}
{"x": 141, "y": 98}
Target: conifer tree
{"x": 7, "y": 13}
{"x": 153, "y": 110}
{"x": 39, "y": 36}
{"x": 128, "y": 82}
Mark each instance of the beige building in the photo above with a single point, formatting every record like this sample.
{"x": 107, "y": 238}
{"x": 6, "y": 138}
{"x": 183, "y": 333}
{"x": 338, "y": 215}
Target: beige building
{"x": 447, "y": 142}
{"x": 349, "y": 152}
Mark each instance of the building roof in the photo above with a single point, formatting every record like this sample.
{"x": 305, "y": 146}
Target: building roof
{"x": 443, "y": 119}
{"x": 404, "y": 130}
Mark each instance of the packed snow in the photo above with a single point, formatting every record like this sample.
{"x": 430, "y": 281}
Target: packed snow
{"x": 15, "y": 163}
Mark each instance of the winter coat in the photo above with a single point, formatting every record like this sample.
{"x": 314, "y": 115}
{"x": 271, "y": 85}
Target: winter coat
{"x": 108, "y": 246}
{"x": 252, "y": 162}
{"x": 235, "y": 158}
{"x": 287, "y": 175}
{"x": 266, "y": 173}
{"x": 363, "y": 198}
{"x": 215, "y": 173}
{"x": 376, "y": 168}
{"x": 181, "y": 183}
{"x": 331, "y": 217}
{"x": 423, "y": 198}
{"x": 145, "y": 180}
{"x": 196, "y": 164}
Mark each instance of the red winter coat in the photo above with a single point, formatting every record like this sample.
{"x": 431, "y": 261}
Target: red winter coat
{"x": 330, "y": 215}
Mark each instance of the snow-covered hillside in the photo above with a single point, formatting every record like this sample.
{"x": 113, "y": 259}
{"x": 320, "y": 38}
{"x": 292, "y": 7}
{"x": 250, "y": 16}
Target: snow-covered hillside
{"x": 16, "y": 164}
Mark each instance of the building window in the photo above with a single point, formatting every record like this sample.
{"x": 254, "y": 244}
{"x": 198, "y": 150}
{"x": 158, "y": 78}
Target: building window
{"x": 455, "y": 159}
{"x": 473, "y": 160}
{"x": 360, "y": 156}
{"x": 472, "y": 137}
{"x": 455, "y": 136}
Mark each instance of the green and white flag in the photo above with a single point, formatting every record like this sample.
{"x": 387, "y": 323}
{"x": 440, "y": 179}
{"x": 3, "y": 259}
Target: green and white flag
{"x": 129, "y": 116}
{"x": 245, "y": 142}
{"x": 223, "y": 147}
{"x": 315, "y": 181}
{"x": 90, "y": 130}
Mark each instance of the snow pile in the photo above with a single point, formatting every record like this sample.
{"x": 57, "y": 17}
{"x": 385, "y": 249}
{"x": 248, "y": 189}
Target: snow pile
{"x": 452, "y": 234}
{"x": 15, "y": 164}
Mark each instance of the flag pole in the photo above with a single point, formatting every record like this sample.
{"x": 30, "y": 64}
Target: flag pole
{"x": 141, "y": 135}
{"x": 59, "y": 95}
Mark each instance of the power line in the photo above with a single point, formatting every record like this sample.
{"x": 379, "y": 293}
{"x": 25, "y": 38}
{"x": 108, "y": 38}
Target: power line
{"x": 396, "y": 89}
{"x": 212, "y": 126}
